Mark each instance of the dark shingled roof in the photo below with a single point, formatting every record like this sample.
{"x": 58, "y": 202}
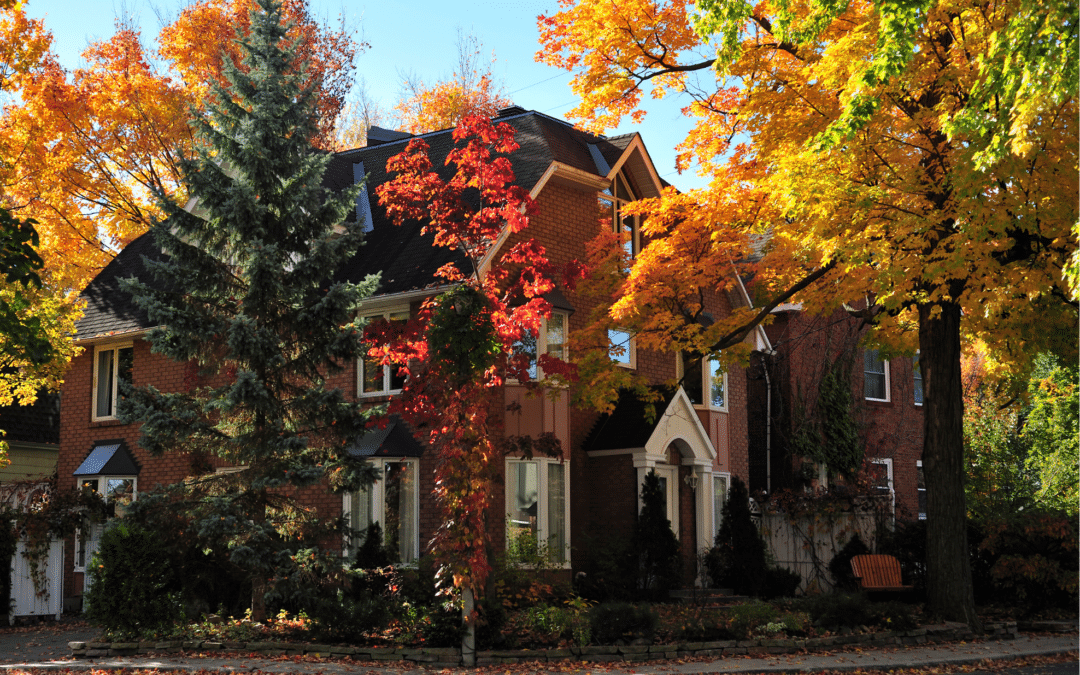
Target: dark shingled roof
{"x": 396, "y": 439}
{"x": 37, "y": 423}
{"x": 110, "y": 310}
{"x": 406, "y": 259}
{"x": 626, "y": 426}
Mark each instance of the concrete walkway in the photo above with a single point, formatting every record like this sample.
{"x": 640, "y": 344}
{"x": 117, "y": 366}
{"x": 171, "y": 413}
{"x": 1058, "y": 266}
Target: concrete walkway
{"x": 861, "y": 659}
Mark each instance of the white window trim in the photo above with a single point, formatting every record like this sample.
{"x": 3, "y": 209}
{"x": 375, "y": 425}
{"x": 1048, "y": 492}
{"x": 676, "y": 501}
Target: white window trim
{"x": 103, "y": 481}
{"x": 631, "y": 349}
{"x": 888, "y": 382}
{"x": 671, "y": 473}
{"x": 542, "y": 516}
{"x": 706, "y": 387}
{"x": 378, "y": 502}
{"x": 888, "y": 464}
{"x": 110, "y": 347}
{"x": 387, "y": 372}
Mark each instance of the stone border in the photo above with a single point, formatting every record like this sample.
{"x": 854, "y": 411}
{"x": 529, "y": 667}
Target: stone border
{"x": 451, "y": 657}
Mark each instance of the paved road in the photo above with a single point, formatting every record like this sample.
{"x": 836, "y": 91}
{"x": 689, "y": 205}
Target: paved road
{"x": 46, "y": 647}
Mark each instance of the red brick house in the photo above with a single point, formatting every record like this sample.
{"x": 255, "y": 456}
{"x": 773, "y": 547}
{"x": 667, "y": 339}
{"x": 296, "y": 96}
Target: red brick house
{"x": 699, "y": 440}
{"x": 888, "y": 399}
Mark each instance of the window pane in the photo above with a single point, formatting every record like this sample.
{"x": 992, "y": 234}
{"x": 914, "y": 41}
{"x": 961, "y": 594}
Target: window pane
{"x": 716, "y": 384}
{"x": 103, "y": 395}
{"x": 399, "y": 525}
{"x": 620, "y": 346}
{"x": 90, "y": 484}
{"x": 691, "y": 380}
{"x": 556, "y": 335}
{"x": 125, "y": 360}
{"x": 922, "y": 492}
{"x": 527, "y": 347}
{"x": 360, "y": 508}
{"x": 120, "y": 490}
{"x": 397, "y": 379}
{"x": 719, "y": 497}
{"x": 874, "y": 371}
{"x": 556, "y": 511}
{"x": 522, "y": 484}
{"x": 917, "y": 372}
{"x": 372, "y": 379}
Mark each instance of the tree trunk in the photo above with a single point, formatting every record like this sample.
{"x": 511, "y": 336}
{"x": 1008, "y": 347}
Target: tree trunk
{"x": 948, "y": 568}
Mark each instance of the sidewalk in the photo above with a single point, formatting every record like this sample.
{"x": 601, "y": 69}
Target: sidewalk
{"x": 960, "y": 653}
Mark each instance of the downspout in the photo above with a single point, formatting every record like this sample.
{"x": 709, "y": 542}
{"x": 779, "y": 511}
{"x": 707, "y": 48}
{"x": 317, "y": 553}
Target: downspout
{"x": 768, "y": 425}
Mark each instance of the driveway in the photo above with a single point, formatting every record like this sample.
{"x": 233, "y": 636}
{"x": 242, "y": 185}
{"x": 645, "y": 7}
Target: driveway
{"x": 44, "y": 642}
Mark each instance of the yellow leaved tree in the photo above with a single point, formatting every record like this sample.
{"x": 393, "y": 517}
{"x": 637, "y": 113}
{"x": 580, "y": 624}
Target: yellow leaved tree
{"x": 915, "y": 160}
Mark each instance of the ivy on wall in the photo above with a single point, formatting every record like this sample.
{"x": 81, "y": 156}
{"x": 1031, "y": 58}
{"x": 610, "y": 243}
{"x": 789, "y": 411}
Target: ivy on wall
{"x": 828, "y": 432}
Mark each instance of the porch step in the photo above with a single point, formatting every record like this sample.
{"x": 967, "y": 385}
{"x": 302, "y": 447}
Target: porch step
{"x": 707, "y": 596}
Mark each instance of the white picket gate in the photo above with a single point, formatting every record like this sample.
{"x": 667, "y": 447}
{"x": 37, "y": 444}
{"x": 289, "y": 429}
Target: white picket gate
{"x": 25, "y": 600}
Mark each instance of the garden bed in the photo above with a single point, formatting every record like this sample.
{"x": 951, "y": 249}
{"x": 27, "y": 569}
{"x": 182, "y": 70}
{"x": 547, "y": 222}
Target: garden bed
{"x": 450, "y": 656}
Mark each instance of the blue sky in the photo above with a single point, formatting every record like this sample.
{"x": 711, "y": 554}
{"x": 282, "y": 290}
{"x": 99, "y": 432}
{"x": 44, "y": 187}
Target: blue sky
{"x": 416, "y": 37}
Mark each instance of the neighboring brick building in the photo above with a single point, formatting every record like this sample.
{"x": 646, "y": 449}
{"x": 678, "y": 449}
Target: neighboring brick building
{"x": 887, "y": 397}
{"x": 698, "y": 441}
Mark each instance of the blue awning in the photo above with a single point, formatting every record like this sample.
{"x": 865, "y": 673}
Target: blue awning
{"x": 108, "y": 458}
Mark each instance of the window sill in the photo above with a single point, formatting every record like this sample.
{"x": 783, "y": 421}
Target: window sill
{"x": 113, "y": 422}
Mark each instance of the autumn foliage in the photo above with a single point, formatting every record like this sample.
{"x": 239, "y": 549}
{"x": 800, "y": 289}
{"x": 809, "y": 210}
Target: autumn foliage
{"x": 459, "y": 348}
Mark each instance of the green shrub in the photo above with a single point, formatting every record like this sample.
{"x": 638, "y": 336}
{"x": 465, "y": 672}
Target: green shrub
{"x": 840, "y": 566}
{"x": 622, "y": 621}
{"x": 737, "y": 558}
{"x": 894, "y": 615}
{"x": 133, "y": 586}
{"x": 837, "y": 609}
{"x": 780, "y": 582}
{"x": 747, "y": 619}
{"x": 1034, "y": 559}
{"x": 606, "y": 572}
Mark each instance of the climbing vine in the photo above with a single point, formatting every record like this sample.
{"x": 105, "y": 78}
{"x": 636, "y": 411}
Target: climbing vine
{"x": 828, "y": 432}
{"x": 38, "y": 513}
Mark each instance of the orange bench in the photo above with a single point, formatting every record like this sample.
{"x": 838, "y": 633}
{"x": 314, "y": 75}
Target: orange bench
{"x": 878, "y": 573}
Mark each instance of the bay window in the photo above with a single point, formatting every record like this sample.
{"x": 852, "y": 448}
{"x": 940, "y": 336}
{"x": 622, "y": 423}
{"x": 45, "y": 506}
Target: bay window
{"x": 392, "y": 501}
{"x": 538, "y": 508}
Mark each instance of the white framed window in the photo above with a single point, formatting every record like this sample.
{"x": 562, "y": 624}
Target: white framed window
{"x": 916, "y": 374}
{"x": 721, "y": 485}
{"x": 875, "y": 376}
{"x": 392, "y": 501}
{"x": 550, "y": 340}
{"x": 621, "y": 348}
{"x": 921, "y": 487}
{"x": 704, "y": 380}
{"x": 538, "y": 506}
{"x": 112, "y": 365}
{"x": 116, "y": 490}
{"x": 881, "y": 478}
{"x": 612, "y": 203}
{"x": 374, "y": 378}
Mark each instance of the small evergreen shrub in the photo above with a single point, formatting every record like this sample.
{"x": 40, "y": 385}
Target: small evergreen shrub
{"x": 737, "y": 558}
{"x": 133, "y": 586}
{"x": 747, "y": 619}
{"x": 657, "y": 547}
{"x": 622, "y": 621}
{"x": 607, "y": 572}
